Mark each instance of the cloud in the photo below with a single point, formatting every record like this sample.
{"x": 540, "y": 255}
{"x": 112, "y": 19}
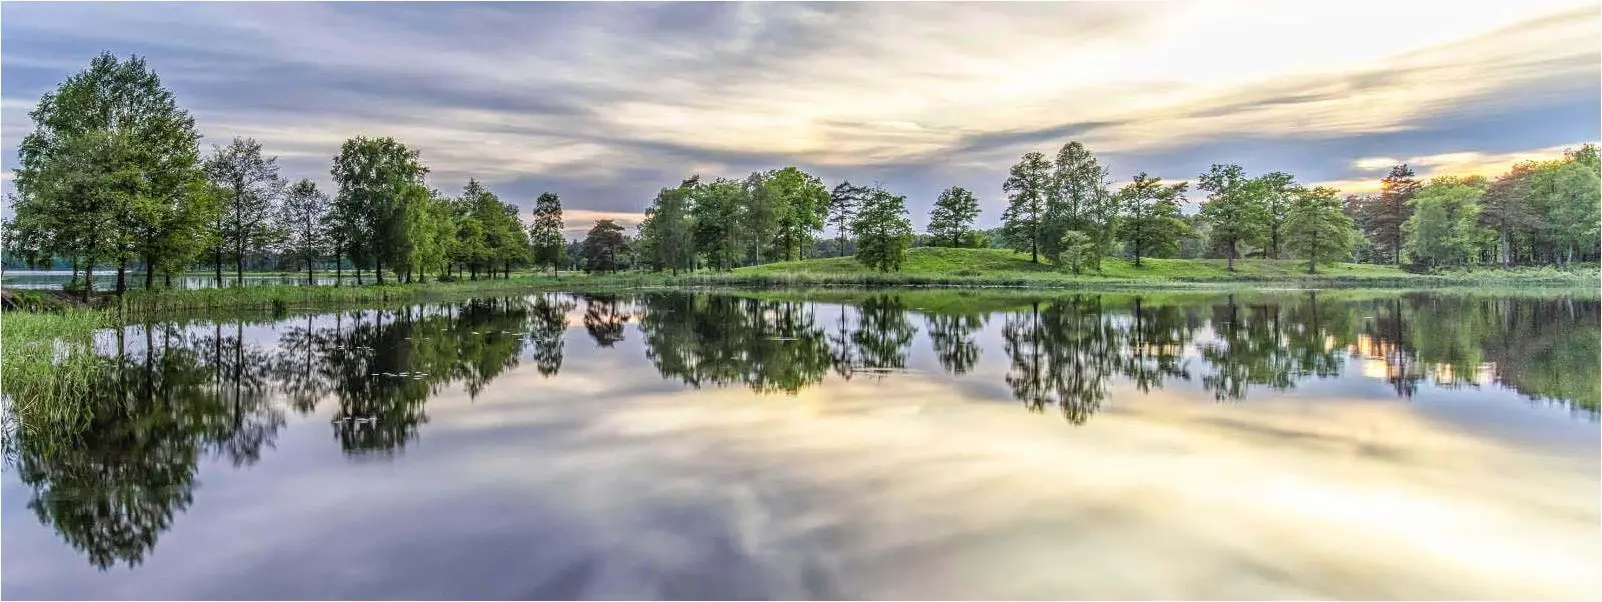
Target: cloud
{"x": 605, "y": 103}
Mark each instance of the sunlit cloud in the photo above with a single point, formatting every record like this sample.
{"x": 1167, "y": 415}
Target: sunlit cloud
{"x": 604, "y": 103}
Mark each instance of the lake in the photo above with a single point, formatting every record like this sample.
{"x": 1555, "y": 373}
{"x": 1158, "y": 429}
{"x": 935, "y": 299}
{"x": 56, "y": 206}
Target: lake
{"x": 920, "y": 444}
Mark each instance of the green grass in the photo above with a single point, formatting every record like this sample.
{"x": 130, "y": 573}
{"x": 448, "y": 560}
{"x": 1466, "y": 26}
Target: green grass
{"x": 47, "y": 364}
{"x": 999, "y": 267}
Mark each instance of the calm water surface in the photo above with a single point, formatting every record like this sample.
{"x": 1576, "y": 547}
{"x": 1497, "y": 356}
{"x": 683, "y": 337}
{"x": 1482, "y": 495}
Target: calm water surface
{"x": 913, "y": 445}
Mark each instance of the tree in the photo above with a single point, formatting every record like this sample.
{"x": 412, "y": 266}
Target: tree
{"x": 1504, "y": 210}
{"x": 844, "y": 201}
{"x": 304, "y": 208}
{"x": 1317, "y": 228}
{"x": 546, "y": 234}
{"x": 1574, "y": 200}
{"x": 373, "y": 175}
{"x": 953, "y": 215}
{"x": 1076, "y": 250}
{"x": 108, "y": 166}
{"x": 430, "y": 231}
{"x": 1152, "y": 222}
{"x": 603, "y": 246}
{"x": 253, "y": 186}
{"x": 1279, "y": 191}
{"x": 1443, "y": 228}
{"x": 717, "y": 212}
{"x": 1234, "y": 208}
{"x": 883, "y": 231}
{"x": 667, "y": 234}
{"x": 1026, "y": 189}
{"x": 1078, "y": 198}
{"x": 802, "y": 202}
{"x": 1392, "y": 209}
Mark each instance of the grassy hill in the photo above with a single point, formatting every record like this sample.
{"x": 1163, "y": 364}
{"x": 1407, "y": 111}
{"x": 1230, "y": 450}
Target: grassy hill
{"x": 1000, "y": 267}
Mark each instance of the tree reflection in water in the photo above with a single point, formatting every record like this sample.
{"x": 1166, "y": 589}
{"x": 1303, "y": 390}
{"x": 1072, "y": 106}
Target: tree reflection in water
{"x": 175, "y": 395}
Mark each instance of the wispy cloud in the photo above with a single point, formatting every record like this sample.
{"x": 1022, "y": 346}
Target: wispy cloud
{"x": 604, "y": 103}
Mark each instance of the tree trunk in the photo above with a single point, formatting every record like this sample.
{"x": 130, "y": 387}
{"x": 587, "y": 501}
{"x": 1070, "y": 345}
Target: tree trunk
{"x": 88, "y": 278}
{"x": 168, "y": 276}
{"x": 378, "y": 271}
{"x": 1232, "y": 256}
{"x": 358, "y": 275}
{"x": 150, "y": 271}
{"x": 309, "y": 280}
{"x": 239, "y": 264}
{"x": 1312, "y": 257}
{"x": 122, "y": 270}
{"x": 218, "y": 257}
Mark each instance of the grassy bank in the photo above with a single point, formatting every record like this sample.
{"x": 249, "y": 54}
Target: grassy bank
{"x": 997, "y": 267}
{"x": 47, "y": 363}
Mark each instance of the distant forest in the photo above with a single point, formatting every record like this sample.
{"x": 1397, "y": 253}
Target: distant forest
{"x": 112, "y": 177}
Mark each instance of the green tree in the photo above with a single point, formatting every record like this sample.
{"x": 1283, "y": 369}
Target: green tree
{"x": 1504, "y": 210}
{"x": 1443, "y": 228}
{"x": 373, "y": 175}
{"x": 1152, "y": 222}
{"x": 882, "y": 230}
{"x": 603, "y": 247}
{"x": 1234, "y": 209}
{"x": 667, "y": 233}
{"x": 953, "y": 216}
{"x": 802, "y": 203}
{"x": 1316, "y": 227}
{"x": 106, "y": 171}
{"x": 1279, "y": 191}
{"x": 304, "y": 208}
{"x": 546, "y": 234}
{"x": 844, "y": 201}
{"x": 251, "y": 182}
{"x": 1027, "y": 193}
{"x": 1574, "y": 200}
{"x": 1078, "y": 198}
{"x": 717, "y": 212}
{"x": 430, "y": 232}
{"x": 1076, "y": 250}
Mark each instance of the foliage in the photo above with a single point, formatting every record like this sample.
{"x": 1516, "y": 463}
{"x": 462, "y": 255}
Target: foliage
{"x": 251, "y": 187}
{"x": 1234, "y": 209}
{"x": 1443, "y": 229}
{"x": 604, "y": 247}
{"x": 373, "y": 175}
{"x": 1317, "y": 228}
{"x": 107, "y": 171}
{"x": 545, "y": 236}
{"x": 951, "y": 221}
{"x": 1076, "y": 250}
{"x": 304, "y": 209}
{"x": 844, "y": 201}
{"x": 883, "y": 231}
{"x": 1027, "y": 189}
{"x": 1152, "y": 224}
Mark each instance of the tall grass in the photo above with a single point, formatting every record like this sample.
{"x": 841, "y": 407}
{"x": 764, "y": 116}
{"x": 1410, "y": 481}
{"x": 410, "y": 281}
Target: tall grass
{"x": 47, "y": 365}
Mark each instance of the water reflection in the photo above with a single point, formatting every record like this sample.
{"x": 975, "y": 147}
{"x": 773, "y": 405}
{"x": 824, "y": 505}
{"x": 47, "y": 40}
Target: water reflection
{"x": 176, "y": 395}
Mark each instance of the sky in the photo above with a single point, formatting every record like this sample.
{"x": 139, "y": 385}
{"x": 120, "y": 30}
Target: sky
{"x": 605, "y": 103}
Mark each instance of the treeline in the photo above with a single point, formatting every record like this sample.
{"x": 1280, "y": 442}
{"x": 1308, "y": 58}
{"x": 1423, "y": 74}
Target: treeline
{"x": 113, "y": 173}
